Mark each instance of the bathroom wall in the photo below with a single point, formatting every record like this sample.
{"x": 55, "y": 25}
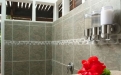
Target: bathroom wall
{"x": 71, "y": 27}
{"x": 24, "y": 52}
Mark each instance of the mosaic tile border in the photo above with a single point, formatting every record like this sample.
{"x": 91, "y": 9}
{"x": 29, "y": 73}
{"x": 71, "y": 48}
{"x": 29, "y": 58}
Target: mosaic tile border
{"x": 81, "y": 41}
{"x": 60, "y": 42}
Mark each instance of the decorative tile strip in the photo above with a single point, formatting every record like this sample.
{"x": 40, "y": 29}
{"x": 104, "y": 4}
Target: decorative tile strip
{"x": 60, "y": 42}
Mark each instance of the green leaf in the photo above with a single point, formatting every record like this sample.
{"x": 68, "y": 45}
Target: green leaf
{"x": 106, "y": 72}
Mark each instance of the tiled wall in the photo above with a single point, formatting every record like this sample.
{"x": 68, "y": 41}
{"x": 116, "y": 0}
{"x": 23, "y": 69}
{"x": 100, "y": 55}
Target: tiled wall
{"x": 71, "y": 26}
{"x": 28, "y": 59}
{"x": 34, "y": 59}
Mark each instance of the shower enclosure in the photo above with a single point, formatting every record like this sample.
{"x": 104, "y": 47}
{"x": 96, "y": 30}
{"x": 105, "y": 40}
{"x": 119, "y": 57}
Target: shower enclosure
{"x": 26, "y": 51}
{"x": 29, "y": 49}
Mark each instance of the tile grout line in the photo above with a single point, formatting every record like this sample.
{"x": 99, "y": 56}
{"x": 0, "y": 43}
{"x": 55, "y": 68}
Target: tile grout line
{"x": 54, "y": 54}
{"x": 73, "y": 38}
{"x": 45, "y": 49}
{"x": 94, "y": 3}
{"x": 28, "y": 21}
{"x": 55, "y": 45}
{"x": 27, "y": 60}
{"x": 84, "y": 25}
{"x": 78, "y": 12}
{"x": 12, "y": 48}
{"x": 62, "y": 47}
{"x": 52, "y": 50}
{"x": 72, "y": 15}
{"x": 55, "y": 49}
{"x": 90, "y": 51}
{"x": 62, "y": 64}
{"x": 29, "y": 48}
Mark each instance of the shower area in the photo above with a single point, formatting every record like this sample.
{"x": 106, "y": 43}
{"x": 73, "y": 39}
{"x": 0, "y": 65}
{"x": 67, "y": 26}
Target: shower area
{"x": 25, "y": 50}
{"x": 46, "y": 48}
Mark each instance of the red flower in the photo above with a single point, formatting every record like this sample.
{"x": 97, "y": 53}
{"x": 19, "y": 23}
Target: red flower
{"x": 92, "y": 67}
{"x": 93, "y": 59}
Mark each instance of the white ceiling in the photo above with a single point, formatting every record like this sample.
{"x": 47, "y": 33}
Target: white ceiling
{"x": 53, "y": 1}
{"x": 48, "y": 1}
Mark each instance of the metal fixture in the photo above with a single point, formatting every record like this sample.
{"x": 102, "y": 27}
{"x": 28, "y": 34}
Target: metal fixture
{"x": 101, "y": 24}
{"x": 107, "y": 30}
{"x": 70, "y": 68}
{"x": 88, "y": 30}
{"x": 95, "y": 25}
{"x": 94, "y": 32}
{"x": 106, "y": 21}
{"x": 88, "y": 33}
{"x": 104, "y": 32}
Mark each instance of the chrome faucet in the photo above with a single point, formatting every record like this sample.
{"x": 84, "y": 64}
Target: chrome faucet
{"x": 70, "y": 67}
